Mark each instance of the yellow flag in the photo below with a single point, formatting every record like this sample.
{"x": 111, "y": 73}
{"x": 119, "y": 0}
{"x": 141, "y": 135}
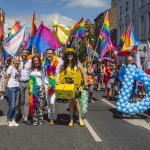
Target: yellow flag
{"x": 61, "y": 31}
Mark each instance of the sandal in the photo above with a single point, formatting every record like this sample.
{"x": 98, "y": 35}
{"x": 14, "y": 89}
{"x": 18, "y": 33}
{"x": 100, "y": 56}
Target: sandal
{"x": 35, "y": 124}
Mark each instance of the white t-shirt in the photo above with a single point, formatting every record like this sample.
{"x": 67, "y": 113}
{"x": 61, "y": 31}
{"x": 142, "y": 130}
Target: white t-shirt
{"x": 25, "y": 70}
{"x": 14, "y": 77}
{"x": 38, "y": 75}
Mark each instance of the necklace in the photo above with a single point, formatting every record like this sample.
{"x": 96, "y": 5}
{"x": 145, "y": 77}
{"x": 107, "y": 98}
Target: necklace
{"x": 51, "y": 72}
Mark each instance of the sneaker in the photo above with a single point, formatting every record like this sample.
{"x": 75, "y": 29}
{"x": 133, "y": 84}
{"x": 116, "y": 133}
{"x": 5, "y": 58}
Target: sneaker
{"x": 2, "y": 97}
{"x": 27, "y": 122}
{"x": 22, "y": 120}
{"x": 15, "y": 124}
{"x": 10, "y": 124}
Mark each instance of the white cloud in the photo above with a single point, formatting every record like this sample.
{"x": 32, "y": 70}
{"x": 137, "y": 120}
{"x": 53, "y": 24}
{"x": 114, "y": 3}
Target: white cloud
{"x": 46, "y": 18}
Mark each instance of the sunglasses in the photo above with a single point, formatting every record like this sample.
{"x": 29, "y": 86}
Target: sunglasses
{"x": 69, "y": 53}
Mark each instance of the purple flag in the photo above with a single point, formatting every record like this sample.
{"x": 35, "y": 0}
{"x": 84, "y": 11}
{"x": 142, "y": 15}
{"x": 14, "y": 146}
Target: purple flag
{"x": 27, "y": 42}
{"x": 44, "y": 38}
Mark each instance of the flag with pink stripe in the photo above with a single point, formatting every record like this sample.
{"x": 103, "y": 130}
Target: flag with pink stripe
{"x": 12, "y": 45}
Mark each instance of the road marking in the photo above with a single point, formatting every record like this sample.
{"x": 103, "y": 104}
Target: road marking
{"x": 91, "y": 130}
{"x": 136, "y": 122}
{"x": 3, "y": 120}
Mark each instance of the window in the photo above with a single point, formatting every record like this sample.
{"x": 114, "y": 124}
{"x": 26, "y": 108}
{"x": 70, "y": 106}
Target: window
{"x": 133, "y": 6}
{"x": 121, "y": 12}
{"x": 148, "y": 25}
{"x": 142, "y": 27}
{"x": 126, "y": 26}
{"x": 121, "y": 31}
{"x": 126, "y": 10}
{"x": 141, "y": 3}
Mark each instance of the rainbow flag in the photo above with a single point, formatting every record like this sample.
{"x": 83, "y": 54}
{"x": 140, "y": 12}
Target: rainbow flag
{"x": 105, "y": 46}
{"x": 15, "y": 29}
{"x": 33, "y": 25}
{"x": 122, "y": 39}
{"x": 78, "y": 29}
{"x": 105, "y": 31}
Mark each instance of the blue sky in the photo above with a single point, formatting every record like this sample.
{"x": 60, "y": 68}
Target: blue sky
{"x": 72, "y": 10}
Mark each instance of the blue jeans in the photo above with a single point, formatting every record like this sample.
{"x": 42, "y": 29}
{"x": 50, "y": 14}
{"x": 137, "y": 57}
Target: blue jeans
{"x": 13, "y": 94}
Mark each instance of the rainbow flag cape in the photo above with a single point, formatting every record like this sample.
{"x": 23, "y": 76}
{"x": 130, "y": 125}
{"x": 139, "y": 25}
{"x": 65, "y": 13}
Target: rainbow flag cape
{"x": 33, "y": 25}
{"x": 44, "y": 38}
{"x": 105, "y": 31}
{"x": 15, "y": 29}
{"x": 78, "y": 29}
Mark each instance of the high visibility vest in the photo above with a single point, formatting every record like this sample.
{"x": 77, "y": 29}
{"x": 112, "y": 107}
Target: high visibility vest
{"x": 90, "y": 78}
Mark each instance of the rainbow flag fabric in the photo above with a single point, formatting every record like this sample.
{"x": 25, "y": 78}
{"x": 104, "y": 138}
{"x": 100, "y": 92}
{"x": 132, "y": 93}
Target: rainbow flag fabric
{"x": 33, "y": 25}
{"x": 15, "y": 29}
{"x": 78, "y": 30}
{"x": 44, "y": 38}
{"x": 122, "y": 39}
{"x": 105, "y": 46}
{"x": 105, "y": 31}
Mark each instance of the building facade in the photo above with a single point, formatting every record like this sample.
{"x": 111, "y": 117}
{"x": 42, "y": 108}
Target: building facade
{"x": 99, "y": 20}
{"x": 137, "y": 11}
{"x": 89, "y": 27}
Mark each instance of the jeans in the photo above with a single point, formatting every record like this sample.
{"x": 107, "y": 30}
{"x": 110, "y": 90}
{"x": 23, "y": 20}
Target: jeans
{"x": 13, "y": 94}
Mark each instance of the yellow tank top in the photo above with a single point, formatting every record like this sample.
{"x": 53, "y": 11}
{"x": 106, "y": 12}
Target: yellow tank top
{"x": 71, "y": 76}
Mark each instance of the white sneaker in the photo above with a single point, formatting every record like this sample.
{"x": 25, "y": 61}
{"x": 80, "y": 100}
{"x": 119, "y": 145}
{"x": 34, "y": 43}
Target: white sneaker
{"x": 10, "y": 124}
{"x": 2, "y": 97}
{"x": 15, "y": 124}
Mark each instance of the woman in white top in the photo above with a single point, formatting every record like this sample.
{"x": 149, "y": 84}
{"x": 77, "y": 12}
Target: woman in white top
{"x": 37, "y": 91}
{"x": 13, "y": 91}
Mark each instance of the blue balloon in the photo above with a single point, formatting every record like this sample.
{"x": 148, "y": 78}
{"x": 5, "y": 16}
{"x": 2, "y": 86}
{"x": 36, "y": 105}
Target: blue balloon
{"x": 130, "y": 111}
{"x": 119, "y": 108}
{"x": 132, "y": 73}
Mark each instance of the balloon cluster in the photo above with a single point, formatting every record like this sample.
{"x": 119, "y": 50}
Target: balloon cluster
{"x": 83, "y": 103}
{"x": 123, "y": 105}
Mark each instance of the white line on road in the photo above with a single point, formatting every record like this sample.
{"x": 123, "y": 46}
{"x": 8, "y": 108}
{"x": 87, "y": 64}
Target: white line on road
{"x": 91, "y": 130}
{"x": 136, "y": 122}
{"x": 3, "y": 120}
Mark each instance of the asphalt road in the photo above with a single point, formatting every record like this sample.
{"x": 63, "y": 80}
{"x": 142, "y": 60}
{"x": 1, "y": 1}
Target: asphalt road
{"x": 115, "y": 133}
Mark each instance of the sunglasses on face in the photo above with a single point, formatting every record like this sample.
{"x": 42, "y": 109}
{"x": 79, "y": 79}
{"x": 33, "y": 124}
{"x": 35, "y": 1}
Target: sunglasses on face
{"x": 69, "y": 53}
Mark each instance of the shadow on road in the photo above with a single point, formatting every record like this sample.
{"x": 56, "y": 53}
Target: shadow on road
{"x": 1, "y": 113}
{"x": 119, "y": 115}
{"x": 63, "y": 119}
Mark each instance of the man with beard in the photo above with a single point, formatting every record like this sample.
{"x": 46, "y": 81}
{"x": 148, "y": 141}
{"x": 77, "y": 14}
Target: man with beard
{"x": 51, "y": 69}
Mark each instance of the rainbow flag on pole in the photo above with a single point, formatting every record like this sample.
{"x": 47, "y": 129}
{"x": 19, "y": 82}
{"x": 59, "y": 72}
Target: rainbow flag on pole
{"x": 105, "y": 46}
{"x": 15, "y": 29}
{"x": 105, "y": 31}
{"x": 123, "y": 37}
{"x": 33, "y": 25}
{"x": 78, "y": 29}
